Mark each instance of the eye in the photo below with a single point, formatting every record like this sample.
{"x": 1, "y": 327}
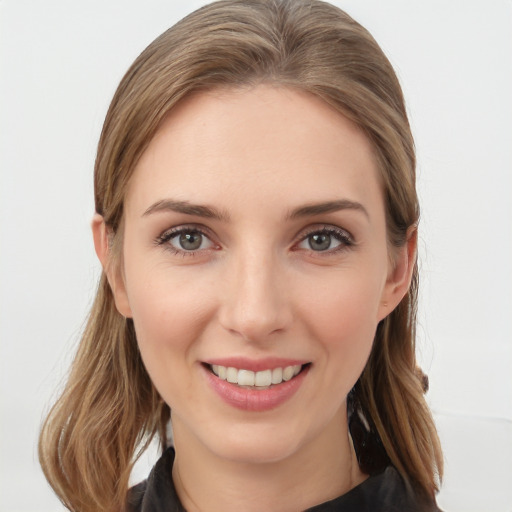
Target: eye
{"x": 185, "y": 240}
{"x": 321, "y": 241}
{"x": 188, "y": 241}
{"x": 327, "y": 239}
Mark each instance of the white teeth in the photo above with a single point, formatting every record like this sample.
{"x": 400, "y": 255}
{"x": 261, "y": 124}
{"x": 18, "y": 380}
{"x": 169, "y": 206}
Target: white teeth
{"x": 277, "y": 375}
{"x": 222, "y": 372}
{"x": 260, "y": 379}
{"x": 245, "y": 378}
{"x": 288, "y": 373}
{"x": 232, "y": 375}
{"x": 263, "y": 378}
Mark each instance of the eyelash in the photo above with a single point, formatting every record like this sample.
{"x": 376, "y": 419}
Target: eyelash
{"x": 165, "y": 238}
{"x": 345, "y": 239}
{"x": 342, "y": 236}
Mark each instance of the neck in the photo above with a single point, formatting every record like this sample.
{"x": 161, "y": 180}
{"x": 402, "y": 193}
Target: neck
{"x": 324, "y": 468}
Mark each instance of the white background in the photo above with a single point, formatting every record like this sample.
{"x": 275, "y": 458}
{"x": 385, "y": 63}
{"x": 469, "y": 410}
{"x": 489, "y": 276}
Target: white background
{"x": 60, "y": 62}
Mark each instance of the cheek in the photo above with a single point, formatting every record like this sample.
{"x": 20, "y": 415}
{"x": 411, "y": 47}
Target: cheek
{"x": 346, "y": 300}
{"x": 168, "y": 320}
{"x": 166, "y": 305}
{"x": 342, "y": 315}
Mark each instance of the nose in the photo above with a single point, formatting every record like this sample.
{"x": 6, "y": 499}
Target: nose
{"x": 255, "y": 301}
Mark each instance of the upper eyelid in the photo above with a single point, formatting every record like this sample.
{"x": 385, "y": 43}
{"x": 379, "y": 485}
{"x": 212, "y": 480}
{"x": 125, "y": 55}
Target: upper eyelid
{"x": 319, "y": 228}
{"x": 200, "y": 228}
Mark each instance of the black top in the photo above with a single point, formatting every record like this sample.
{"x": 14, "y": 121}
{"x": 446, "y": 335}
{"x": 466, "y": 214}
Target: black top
{"x": 383, "y": 492}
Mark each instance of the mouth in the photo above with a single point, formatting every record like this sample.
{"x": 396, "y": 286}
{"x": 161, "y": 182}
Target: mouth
{"x": 259, "y": 380}
{"x": 268, "y": 384}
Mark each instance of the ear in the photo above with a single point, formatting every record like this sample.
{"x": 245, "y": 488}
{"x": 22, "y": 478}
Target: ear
{"x": 400, "y": 274}
{"x": 112, "y": 270}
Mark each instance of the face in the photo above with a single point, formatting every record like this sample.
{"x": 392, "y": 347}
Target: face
{"x": 256, "y": 268}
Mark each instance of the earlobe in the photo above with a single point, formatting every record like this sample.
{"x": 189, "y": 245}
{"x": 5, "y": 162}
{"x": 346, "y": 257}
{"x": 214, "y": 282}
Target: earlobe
{"x": 112, "y": 270}
{"x": 400, "y": 276}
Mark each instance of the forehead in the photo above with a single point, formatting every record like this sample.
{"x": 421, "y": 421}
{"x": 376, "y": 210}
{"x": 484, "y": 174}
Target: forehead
{"x": 264, "y": 143}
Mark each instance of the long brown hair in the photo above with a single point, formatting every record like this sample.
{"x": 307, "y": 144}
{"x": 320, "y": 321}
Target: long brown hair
{"x": 109, "y": 409}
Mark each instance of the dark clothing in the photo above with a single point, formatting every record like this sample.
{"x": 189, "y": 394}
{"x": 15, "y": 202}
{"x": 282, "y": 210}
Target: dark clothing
{"x": 384, "y": 492}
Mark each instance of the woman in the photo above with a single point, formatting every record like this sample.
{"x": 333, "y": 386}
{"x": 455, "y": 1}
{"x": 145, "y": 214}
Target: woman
{"x": 256, "y": 219}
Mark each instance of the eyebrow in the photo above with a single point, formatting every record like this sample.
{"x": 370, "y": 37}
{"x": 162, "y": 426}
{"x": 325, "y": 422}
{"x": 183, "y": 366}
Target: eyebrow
{"x": 187, "y": 208}
{"x": 310, "y": 210}
{"x": 210, "y": 212}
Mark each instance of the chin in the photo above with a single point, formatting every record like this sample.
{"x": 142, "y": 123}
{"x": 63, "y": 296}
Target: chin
{"x": 257, "y": 452}
{"x": 261, "y": 444}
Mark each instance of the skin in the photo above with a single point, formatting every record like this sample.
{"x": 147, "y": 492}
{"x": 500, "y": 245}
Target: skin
{"x": 256, "y": 288}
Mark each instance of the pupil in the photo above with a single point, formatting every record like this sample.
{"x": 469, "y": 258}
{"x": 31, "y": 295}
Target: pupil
{"x": 320, "y": 242}
{"x": 190, "y": 241}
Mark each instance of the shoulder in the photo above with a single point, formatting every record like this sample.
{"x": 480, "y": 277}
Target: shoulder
{"x": 135, "y": 497}
{"x": 383, "y": 492}
{"x": 157, "y": 493}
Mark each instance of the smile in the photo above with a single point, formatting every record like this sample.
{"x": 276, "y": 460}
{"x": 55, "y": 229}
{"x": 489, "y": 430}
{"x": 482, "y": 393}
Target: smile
{"x": 264, "y": 387}
{"x": 261, "y": 379}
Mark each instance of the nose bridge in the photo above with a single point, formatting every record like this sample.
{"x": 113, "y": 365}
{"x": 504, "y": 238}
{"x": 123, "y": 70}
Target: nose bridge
{"x": 255, "y": 304}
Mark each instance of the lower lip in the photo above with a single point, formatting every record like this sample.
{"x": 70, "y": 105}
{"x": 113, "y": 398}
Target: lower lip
{"x": 255, "y": 400}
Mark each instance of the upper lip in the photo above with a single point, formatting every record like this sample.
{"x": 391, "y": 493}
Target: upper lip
{"x": 255, "y": 365}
